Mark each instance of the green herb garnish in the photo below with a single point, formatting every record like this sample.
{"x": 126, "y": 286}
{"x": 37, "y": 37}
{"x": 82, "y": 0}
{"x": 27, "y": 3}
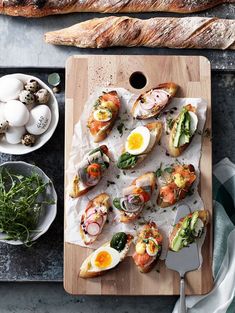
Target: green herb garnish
{"x": 127, "y": 160}
{"x": 21, "y": 203}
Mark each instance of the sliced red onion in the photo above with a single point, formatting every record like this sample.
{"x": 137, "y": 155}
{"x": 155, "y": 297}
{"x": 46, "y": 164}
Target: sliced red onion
{"x": 135, "y": 199}
{"x": 129, "y": 207}
{"x": 90, "y": 212}
{"x": 93, "y": 229}
{"x": 91, "y": 181}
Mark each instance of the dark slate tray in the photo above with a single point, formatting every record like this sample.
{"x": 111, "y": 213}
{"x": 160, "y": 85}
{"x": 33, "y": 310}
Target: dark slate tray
{"x": 44, "y": 260}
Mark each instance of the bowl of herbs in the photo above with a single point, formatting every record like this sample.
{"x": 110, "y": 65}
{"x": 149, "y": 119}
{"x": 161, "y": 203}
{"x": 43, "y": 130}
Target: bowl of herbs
{"x": 28, "y": 203}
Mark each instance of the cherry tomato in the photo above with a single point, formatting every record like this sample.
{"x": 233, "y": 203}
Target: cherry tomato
{"x": 94, "y": 170}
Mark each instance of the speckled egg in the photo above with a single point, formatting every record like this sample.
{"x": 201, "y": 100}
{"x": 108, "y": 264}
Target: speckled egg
{"x": 14, "y": 134}
{"x": 39, "y": 120}
{"x": 42, "y": 96}
{"x": 32, "y": 85}
{"x": 16, "y": 113}
{"x": 10, "y": 88}
{"x": 27, "y": 97}
{"x": 28, "y": 140}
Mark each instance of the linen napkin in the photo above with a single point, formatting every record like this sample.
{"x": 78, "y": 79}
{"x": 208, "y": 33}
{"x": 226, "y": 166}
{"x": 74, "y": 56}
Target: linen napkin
{"x": 222, "y": 298}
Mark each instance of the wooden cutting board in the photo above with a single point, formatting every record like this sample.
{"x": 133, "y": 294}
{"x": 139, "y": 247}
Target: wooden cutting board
{"x": 83, "y": 75}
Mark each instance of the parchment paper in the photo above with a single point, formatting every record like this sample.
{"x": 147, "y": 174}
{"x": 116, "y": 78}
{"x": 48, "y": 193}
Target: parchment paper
{"x": 82, "y": 143}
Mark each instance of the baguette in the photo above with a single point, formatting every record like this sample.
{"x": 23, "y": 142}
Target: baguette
{"x": 173, "y": 150}
{"x": 185, "y": 224}
{"x": 128, "y": 161}
{"x": 142, "y": 187}
{"x": 108, "y": 104}
{"x": 148, "y": 247}
{"x": 87, "y": 270}
{"x": 187, "y": 32}
{"x": 158, "y": 98}
{"x": 96, "y": 213}
{"x": 39, "y": 8}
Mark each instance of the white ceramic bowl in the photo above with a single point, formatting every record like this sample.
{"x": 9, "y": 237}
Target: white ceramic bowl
{"x": 19, "y": 149}
{"x": 48, "y": 213}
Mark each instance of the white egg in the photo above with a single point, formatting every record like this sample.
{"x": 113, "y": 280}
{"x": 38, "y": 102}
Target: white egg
{"x": 104, "y": 258}
{"x": 193, "y": 122}
{"x": 16, "y": 113}
{"x": 39, "y": 120}
{"x": 138, "y": 140}
{"x": 14, "y": 134}
{"x": 10, "y": 88}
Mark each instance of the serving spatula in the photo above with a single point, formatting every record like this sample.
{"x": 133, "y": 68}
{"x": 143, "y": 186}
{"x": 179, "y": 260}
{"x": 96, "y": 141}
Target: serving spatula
{"x": 186, "y": 260}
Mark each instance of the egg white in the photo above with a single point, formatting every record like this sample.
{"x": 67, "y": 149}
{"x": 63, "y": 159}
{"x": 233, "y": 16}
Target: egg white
{"x": 115, "y": 259}
{"x": 148, "y": 248}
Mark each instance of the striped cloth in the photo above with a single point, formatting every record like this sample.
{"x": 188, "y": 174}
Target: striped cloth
{"x": 222, "y": 298}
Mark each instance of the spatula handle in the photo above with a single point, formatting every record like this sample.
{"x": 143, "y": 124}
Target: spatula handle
{"x": 182, "y": 296}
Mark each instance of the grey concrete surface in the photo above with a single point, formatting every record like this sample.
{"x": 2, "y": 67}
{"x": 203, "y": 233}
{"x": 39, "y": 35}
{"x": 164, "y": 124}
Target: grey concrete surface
{"x": 21, "y": 44}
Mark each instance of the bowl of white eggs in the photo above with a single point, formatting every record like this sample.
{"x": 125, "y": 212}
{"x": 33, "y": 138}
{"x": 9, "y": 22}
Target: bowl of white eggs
{"x": 29, "y": 114}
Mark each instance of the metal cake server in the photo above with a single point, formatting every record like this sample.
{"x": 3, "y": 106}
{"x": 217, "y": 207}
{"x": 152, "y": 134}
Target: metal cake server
{"x": 186, "y": 260}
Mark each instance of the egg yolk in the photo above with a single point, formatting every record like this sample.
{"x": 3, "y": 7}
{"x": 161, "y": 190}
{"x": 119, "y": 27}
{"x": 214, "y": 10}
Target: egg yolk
{"x": 135, "y": 141}
{"x": 103, "y": 259}
{"x": 152, "y": 246}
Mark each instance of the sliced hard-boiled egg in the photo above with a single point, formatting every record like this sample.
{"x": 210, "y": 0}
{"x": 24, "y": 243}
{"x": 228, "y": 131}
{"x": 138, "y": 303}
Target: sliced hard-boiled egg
{"x": 102, "y": 115}
{"x": 152, "y": 247}
{"x": 104, "y": 258}
{"x": 193, "y": 122}
{"x": 138, "y": 140}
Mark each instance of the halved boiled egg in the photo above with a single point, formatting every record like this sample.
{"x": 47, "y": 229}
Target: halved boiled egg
{"x": 102, "y": 115}
{"x": 193, "y": 122}
{"x": 104, "y": 258}
{"x": 138, "y": 140}
{"x": 152, "y": 247}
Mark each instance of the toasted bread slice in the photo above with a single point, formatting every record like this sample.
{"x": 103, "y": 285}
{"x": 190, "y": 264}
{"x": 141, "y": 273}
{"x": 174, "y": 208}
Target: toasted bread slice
{"x": 171, "y": 193}
{"x": 110, "y": 104}
{"x": 86, "y": 270}
{"x": 142, "y": 259}
{"x": 102, "y": 201}
{"x": 166, "y": 92}
{"x": 126, "y": 217}
{"x": 202, "y": 214}
{"x": 155, "y": 129}
{"x": 77, "y": 187}
{"x": 177, "y": 151}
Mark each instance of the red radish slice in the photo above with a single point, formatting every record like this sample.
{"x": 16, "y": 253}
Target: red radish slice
{"x": 90, "y": 212}
{"x": 95, "y": 218}
{"x": 93, "y": 229}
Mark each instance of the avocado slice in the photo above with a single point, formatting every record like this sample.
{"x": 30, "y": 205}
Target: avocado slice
{"x": 179, "y": 129}
{"x": 182, "y": 135}
{"x": 194, "y": 220}
{"x": 178, "y": 242}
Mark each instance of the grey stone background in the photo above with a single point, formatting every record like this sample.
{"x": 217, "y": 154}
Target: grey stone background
{"x": 21, "y": 45}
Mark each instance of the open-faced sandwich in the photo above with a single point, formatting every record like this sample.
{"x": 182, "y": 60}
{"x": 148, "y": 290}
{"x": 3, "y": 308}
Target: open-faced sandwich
{"x": 103, "y": 115}
{"x": 139, "y": 144}
{"x": 94, "y": 218}
{"x": 135, "y": 197}
{"x": 176, "y": 181}
{"x": 90, "y": 171}
{"x": 148, "y": 247}
{"x": 183, "y": 128}
{"x": 188, "y": 229}
{"x": 152, "y": 102}
{"x": 106, "y": 257}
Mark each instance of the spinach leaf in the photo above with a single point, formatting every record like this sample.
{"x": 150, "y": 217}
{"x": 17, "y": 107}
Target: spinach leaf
{"x": 117, "y": 204}
{"x": 127, "y": 160}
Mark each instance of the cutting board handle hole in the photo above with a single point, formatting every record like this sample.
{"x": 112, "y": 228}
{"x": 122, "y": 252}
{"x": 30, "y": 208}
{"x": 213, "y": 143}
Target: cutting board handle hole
{"x": 138, "y": 80}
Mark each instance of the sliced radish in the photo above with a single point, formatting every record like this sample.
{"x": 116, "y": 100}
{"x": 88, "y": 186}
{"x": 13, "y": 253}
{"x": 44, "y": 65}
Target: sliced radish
{"x": 95, "y": 218}
{"x": 93, "y": 229}
{"x": 90, "y": 212}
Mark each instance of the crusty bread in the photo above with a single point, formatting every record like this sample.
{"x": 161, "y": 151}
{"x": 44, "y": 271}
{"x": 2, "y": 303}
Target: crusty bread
{"x": 177, "y": 151}
{"x": 126, "y": 218}
{"x": 155, "y": 129}
{"x": 75, "y": 191}
{"x": 84, "y": 269}
{"x": 32, "y": 8}
{"x": 171, "y": 32}
{"x": 171, "y": 88}
{"x": 203, "y": 215}
{"x": 101, "y": 199}
{"x": 104, "y": 131}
